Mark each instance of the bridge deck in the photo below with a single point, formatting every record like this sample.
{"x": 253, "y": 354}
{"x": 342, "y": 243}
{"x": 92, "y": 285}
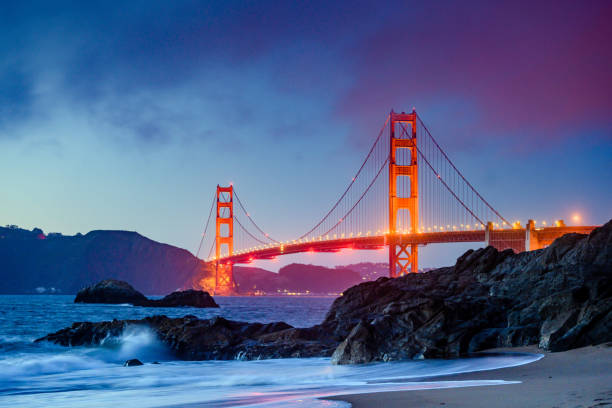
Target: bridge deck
{"x": 503, "y": 238}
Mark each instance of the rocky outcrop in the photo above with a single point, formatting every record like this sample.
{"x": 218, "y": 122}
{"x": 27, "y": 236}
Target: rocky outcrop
{"x": 117, "y": 292}
{"x": 110, "y": 291}
{"x": 191, "y": 298}
{"x": 559, "y": 298}
{"x": 213, "y": 339}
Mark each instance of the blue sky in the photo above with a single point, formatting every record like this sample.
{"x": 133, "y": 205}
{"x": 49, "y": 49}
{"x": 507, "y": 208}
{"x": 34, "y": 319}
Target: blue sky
{"x": 126, "y": 116}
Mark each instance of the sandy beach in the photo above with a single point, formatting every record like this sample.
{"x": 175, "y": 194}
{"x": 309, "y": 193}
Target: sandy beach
{"x": 577, "y": 378}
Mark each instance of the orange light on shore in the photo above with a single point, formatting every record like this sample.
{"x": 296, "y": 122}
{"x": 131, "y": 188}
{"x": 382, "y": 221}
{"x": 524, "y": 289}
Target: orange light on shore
{"x": 576, "y": 217}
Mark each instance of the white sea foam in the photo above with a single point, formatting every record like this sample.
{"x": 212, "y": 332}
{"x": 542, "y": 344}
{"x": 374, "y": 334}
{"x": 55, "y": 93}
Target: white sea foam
{"x": 136, "y": 342}
{"x": 48, "y": 375}
{"x": 80, "y": 379}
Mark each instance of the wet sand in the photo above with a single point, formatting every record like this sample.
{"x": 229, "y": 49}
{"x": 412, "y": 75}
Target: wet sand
{"x": 576, "y": 378}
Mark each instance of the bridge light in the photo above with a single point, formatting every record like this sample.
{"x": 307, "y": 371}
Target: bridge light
{"x": 543, "y": 222}
{"x": 428, "y": 229}
{"x": 441, "y": 228}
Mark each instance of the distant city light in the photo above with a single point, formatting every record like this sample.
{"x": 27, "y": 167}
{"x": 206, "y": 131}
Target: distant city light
{"x": 576, "y": 217}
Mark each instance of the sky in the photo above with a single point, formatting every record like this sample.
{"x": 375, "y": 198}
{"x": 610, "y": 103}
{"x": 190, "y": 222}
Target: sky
{"x": 126, "y": 115}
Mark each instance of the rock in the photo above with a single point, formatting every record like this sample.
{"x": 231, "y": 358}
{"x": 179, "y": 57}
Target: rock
{"x": 191, "y": 338}
{"x": 132, "y": 363}
{"x": 357, "y": 347}
{"x": 559, "y": 297}
{"x": 117, "y": 292}
{"x": 110, "y": 291}
{"x": 192, "y": 298}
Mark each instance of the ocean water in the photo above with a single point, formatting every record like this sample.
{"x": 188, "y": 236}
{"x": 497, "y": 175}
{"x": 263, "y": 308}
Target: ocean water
{"x": 47, "y": 375}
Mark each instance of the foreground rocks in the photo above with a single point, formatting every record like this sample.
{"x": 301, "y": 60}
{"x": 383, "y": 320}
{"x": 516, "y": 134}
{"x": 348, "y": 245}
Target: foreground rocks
{"x": 117, "y": 292}
{"x": 213, "y": 339}
{"x": 133, "y": 363}
{"x": 110, "y": 291}
{"x": 559, "y": 298}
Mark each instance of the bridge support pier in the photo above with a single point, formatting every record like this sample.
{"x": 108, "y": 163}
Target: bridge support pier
{"x": 403, "y": 258}
{"x": 224, "y": 236}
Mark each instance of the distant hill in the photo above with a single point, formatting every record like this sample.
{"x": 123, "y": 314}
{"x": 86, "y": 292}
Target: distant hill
{"x": 295, "y": 278}
{"x": 32, "y": 262}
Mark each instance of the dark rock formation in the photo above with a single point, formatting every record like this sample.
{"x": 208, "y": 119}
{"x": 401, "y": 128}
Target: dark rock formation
{"x": 116, "y": 292}
{"x": 559, "y": 298}
{"x": 192, "y": 298}
{"x": 213, "y": 339}
{"x": 133, "y": 363}
{"x": 110, "y": 291}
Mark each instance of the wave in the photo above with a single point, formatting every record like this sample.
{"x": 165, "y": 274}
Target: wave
{"x": 136, "y": 342}
{"x": 85, "y": 377}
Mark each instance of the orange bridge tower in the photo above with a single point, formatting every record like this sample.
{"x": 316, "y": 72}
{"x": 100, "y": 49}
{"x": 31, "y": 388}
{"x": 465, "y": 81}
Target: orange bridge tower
{"x": 224, "y": 236}
{"x": 403, "y": 257}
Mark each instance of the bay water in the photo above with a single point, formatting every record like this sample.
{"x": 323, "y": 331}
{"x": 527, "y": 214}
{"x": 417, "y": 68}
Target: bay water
{"x": 47, "y": 375}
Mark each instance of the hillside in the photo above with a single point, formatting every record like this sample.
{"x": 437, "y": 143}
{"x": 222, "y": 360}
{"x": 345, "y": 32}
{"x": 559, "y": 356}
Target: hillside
{"x": 295, "y": 278}
{"x": 56, "y": 263}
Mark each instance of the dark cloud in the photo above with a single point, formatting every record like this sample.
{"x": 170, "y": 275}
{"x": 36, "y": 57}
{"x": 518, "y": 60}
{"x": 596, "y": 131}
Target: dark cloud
{"x": 510, "y": 68}
{"x": 533, "y": 70}
{"x": 15, "y": 97}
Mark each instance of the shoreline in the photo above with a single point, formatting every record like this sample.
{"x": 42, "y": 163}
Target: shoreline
{"x": 575, "y": 378}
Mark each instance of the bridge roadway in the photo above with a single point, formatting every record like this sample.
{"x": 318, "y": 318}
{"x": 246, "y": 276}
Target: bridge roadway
{"x": 518, "y": 239}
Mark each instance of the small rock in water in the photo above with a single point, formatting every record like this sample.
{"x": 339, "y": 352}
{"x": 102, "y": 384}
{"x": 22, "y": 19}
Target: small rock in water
{"x": 132, "y": 363}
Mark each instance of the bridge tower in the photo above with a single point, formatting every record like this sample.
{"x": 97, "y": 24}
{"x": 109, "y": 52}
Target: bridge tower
{"x": 224, "y": 274}
{"x": 403, "y": 257}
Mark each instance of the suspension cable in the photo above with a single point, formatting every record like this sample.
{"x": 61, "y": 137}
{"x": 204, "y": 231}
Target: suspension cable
{"x": 360, "y": 198}
{"x": 444, "y": 183}
{"x": 352, "y": 181}
{"x": 206, "y": 227}
{"x": 460, "y": 174}
{"x": 251, "y": 219}
{"x": 251, "y": 235}
{"x": 212, "y": 245}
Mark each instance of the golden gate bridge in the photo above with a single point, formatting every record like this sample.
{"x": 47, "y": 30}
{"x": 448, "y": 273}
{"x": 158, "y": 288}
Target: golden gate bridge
{"x": 406, "y": 193}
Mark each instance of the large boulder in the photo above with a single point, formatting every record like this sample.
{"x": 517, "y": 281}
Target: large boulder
{"x": 191, "y": 298}
{"x": 110, "y": 291}
{"x": 118, "y": 292}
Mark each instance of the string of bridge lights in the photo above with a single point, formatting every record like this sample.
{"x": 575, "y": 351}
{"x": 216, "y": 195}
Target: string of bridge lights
{"x": 423, "y": 229}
